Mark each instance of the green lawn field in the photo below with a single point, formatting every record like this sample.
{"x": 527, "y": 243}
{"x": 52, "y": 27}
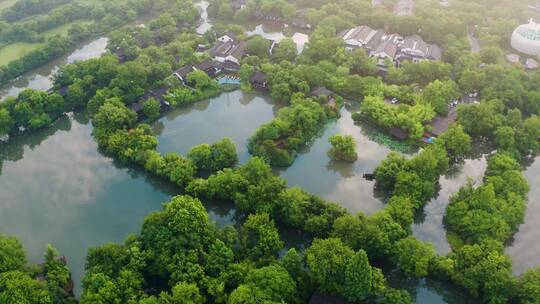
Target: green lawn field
{"x": 15, "y": 51}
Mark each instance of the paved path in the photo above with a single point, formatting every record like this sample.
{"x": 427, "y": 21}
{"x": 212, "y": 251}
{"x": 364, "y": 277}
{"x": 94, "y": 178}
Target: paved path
{"x": 475, "y": 44}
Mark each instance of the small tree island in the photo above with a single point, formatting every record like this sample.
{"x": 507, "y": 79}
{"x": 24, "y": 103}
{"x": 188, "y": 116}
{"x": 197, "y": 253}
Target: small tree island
{"x": 343, "y": 148}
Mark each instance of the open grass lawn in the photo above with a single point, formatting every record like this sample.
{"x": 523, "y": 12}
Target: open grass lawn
{"x": 63, "y": 29}
{"x": 6, "y": 3}
{"x": 15, "y": 51}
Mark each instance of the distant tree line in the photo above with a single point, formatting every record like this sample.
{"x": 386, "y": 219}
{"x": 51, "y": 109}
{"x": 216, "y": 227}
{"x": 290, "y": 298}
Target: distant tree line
{"x": 116, "y": 15}
{"x": 26, "y": 8}
{"x": 180, "y": 256}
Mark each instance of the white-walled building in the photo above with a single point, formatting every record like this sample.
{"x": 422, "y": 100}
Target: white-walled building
{"x": 526, "y": 39}
{"x": 394, "y": 47}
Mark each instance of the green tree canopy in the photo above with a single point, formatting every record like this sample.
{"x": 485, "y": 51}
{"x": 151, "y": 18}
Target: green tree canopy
{"x": 358, "y": 277}
{"x": 152, "y": 108}
{"x": 343, "y": 148}
{"x": 12, "y": 255}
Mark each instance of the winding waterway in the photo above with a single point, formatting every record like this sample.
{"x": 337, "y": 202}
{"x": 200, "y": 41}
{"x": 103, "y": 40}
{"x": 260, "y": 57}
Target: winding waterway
{"x": 58, "y": 188}
{"x": 430, "y": 227}
{"x": 525, "y": 249}
{"x": 205, "y": 25}
{"x": 314, "y": 171}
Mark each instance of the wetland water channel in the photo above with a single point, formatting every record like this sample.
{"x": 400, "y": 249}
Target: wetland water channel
{"x": 57, "y": 188}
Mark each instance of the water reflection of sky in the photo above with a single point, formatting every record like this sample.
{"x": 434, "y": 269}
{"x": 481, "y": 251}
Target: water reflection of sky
{"x": 235, "y": 115}
{"x": 432, "y": 229}
{"x": 341, "y": 182}
{"x": 525, "y": 249}
{"x": 65, "y": 193}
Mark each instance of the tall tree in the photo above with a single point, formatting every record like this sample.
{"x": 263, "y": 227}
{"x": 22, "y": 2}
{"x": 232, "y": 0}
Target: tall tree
{"x": 358, "y": 278}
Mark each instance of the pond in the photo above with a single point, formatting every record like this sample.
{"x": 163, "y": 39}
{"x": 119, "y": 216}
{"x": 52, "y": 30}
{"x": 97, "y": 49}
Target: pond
{"x": 339, "y": 181}
{"x": 430, "y": 227}
{"x": 50, "y": 202}
{"x": 80, "y": 207}
{"x": 40, "y": 78}
{"x": 234, "y": 114}
{"x": 62, "y": 191}
{"x": 525, "y": 248}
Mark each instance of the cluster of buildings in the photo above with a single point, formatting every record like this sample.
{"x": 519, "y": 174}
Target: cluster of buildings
{"x": 393, "y": 47}
{"x": 225, "y": 59}
{"x": 226, "y": 55}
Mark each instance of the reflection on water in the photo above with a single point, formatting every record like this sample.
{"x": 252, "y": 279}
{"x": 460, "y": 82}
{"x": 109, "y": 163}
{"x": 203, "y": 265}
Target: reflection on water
{"x": 432, "y": 229}
{"x": 206, "y": 24}
{"x": 427, "y": 291}
{"x": 235, "y": 115}
{"x": 341, "y": 182}
{"x": 525, "y": 249}
{"x": 58, "y": 189}
{"x": 40, "y": 78}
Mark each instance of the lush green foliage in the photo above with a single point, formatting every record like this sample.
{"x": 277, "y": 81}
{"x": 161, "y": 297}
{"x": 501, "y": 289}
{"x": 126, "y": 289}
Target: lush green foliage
{"x": 343, "y": 148}
{"x": 215, "y": 157}
{"x": 47, "y": 283}
{"x": 180, "y": 256}
{"x": 12, "y": 255}
{"x": 528, "y": 287}
{"x": 294, "y": 126}
{"x": 152, "y": 108}
{"x": 409, "y": 118}
{"x": 23, "y": 8}
{"x": 456, "y": 141}
{"x": 494, "y": 210}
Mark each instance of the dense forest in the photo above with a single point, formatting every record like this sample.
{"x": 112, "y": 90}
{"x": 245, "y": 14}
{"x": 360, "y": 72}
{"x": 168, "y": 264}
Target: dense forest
{"x": 180, "y": 256}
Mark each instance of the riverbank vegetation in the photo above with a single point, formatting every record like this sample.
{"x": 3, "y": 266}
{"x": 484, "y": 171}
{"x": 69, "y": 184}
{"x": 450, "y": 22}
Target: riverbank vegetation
{"x": 343, "y": 148}
{"x": 46, "y": 283}
{"x": 293, "y": 127}
{"x": 179, "y": 255}
{"x": 99, "y": 18}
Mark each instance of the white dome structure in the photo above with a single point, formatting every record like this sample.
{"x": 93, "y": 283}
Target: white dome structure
{"x": 526, "y": 39}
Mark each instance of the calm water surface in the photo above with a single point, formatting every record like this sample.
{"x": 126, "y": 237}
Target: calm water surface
{"x": 341, "y": 182}
{"x": 430, "y": 228}
{"x": 235, "y": 115}
{"x": 64, "y": 192}
{"x": 427, "y": 291}
{"x": 58, "y": 189}
{"x": 525, "y": 249}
